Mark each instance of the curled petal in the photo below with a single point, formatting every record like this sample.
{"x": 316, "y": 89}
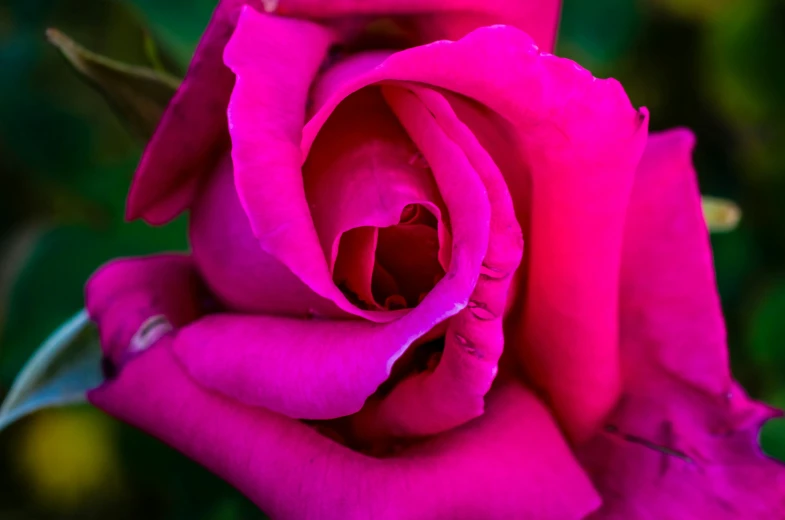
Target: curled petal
{"x": 511, "y": 463}
{"x": 309, "y": 369}
{"x": 431, "y": 402}
{"x": 136, "y": 300}
{"x": 325, "y": 369}
{"x": 266, "y": 113}
{"x": 361, "y": 173}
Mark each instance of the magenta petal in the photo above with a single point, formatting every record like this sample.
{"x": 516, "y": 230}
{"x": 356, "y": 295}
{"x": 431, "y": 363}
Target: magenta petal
{"x": 683, "y": 441}
{"x": 243, "y": 276}
{"x": 360, "y": 172}
{"x": 355, "y": 268}
{"x": 671, "y": 313}
{"x": 315, "y": 368}
{"x": 125, "y": 294}
{"x": 511, "y": 463}
{"x": 191, "y": 136}
{"x": 442, "y": 19}
{"x": 431, "y": 402}
{"x": 579, "y": 141}
{"x": 266, "y": 121}
{"x": 275, "y": 60}
{"x": 309, "y": 369}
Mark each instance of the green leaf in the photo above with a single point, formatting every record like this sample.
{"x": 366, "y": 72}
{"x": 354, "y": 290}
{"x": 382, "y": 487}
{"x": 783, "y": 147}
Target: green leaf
{"x": 64, "y": 368}
{"x": 138, "y": 94}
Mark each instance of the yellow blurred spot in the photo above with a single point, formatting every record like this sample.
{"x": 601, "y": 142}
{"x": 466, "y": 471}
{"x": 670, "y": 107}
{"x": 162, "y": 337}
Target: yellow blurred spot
{"x": 68, "y": 457}
{"x": 721, "y": 214}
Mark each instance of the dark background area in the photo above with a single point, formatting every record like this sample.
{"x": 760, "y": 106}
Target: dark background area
{"x": 66, "y": 161}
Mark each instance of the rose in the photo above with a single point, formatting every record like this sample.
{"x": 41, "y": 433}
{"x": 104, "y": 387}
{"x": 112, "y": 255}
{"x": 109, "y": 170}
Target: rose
{"x": 368, "y": 207}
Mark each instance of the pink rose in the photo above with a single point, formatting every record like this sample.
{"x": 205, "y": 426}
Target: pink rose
{"x": 359, "y": 332}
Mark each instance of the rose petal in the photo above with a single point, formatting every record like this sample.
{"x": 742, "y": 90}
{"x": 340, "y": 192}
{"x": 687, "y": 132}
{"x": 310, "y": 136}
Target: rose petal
{"x": 683, "y": 442}
{"x": 266, "y": 116}
{"x": 325, "y": 369}
{"x": 355, "y": 267}
{"x": 360, "y": 172}
{"x": 242, "y": 275}
{"x": 275, "y": 202}
{"x": 126, "y": 293}
{"x": 191, "y": 136}
{"x": 511, "y": 463}
{"x": 441, "y": 19}
{"x": 671, "y": 313}
{"x": 309, "y": 369}
{"x": 166, "y": 179}
{"x": 579, "y": 140}
{"x": 431, "y": 402}
{"x": 316, "y": 369}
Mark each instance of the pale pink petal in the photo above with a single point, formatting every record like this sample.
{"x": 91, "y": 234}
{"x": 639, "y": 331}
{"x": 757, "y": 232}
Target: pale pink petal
{"x": 578, "y": 141}
{"x": 511, "y": 463}
{"x": 683, "y": 441}
{"x": 191, "y": 136}
{"x": 440, "y": 19}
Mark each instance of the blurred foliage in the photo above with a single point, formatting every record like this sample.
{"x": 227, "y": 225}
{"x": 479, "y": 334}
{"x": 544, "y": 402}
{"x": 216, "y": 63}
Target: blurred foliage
{"x": 66, "y": 162}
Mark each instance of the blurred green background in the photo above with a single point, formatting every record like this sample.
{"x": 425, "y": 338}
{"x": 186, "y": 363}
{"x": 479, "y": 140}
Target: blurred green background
{"x": 66, "y": 161}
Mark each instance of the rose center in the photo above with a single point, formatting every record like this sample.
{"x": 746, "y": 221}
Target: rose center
{"x": 403, "y": 261}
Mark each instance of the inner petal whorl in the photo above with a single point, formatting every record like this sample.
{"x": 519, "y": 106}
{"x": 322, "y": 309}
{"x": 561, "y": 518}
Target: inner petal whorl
{"x": 380, "y": 218}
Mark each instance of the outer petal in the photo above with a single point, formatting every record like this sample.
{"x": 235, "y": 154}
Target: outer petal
{"x": 144, "y": 286}
{"x": 682, "y": 443}
{"x": 441, "y": 19}
{"x": 191, "y": 136}
{"x": 509, "y": 464}
{"x": 311, "y": 369}
{"x": 578, "y": 140}
{"x": 305, "y": 368}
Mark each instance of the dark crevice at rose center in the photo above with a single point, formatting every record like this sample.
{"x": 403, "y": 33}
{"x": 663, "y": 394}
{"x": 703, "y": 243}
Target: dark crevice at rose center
{"x": 405, "y": 260}
{"x": 422, "y": 357}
